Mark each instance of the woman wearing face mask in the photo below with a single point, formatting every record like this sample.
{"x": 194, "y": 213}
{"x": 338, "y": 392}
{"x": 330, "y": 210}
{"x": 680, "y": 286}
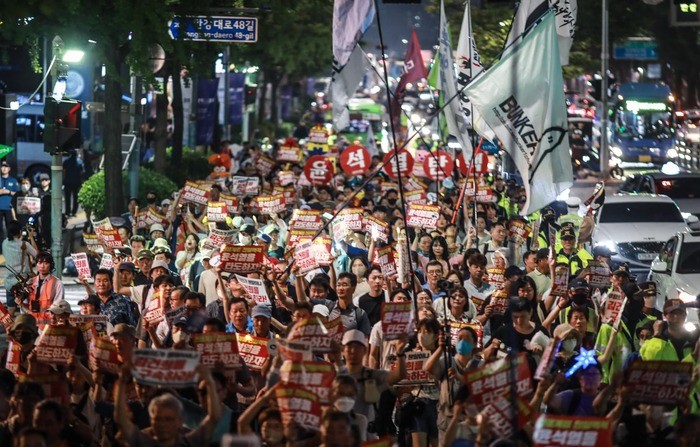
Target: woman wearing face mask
{"x": 25, "y": 191}
{"x": 419, "y": 406}
{"x": 269, "y": 420}
{"x": 343, "y": 395}
{"x": 460, "y": 360}
{"x": 358, "y": 266}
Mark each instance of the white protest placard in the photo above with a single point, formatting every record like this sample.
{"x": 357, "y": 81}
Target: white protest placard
{"x": 28, "y": 205}
{"x": 81, "y": 265}
{"x": 107, "y": 261}
{"x": 255, "y": 289}
{"x": 166, "y": 367}
{"x": 422, "y": 216}
{"x": 304, "y": 257}
{"x": 217, "y": 238}
{"x": 194, "y": 192}
{"x": 614, "y": 305}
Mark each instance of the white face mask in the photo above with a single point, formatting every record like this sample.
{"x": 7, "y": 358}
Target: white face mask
{"x": 568, "y": 345}
{"x": 359, "y": 271}
{"x": 344, "y": 404}
{"x": 25, "y": 187}
{"x": 245, "y": 240}
{"x": 181, "y": 336}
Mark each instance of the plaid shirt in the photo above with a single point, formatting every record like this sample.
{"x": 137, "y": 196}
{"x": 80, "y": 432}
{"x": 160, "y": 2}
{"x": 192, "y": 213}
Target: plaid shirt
{"x": 118, "y": 309}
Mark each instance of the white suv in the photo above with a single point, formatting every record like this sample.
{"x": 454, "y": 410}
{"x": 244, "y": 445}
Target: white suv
{"x": 676, "y": 272}
{"x": 635, "y": 226}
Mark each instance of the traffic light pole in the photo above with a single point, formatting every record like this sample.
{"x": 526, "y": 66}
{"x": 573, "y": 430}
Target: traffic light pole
{"x": 57, "y": 213}
{"x": 604, "y": 56}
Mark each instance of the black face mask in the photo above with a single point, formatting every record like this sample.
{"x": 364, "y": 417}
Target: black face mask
{"x": 391, "y": 201}
{"x": 151, "y": 200}
{"x": 579, "y": 299}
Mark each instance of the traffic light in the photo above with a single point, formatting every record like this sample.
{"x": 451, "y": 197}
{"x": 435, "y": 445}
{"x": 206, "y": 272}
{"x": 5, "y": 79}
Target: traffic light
{"x": 62, "y": 125}
{"x": 251, "y": 93}
{"x": 685, "y": 13}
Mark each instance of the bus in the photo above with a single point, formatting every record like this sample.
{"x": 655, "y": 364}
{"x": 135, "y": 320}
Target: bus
{"x": 29, "y": 159}
{"x": 642, "y": 123}
{"x": 364, "y": 113}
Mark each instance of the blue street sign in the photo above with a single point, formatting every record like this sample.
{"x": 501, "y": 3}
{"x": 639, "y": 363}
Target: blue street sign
{"x": 217, "y": 29}
{"x": 636, "y": 50}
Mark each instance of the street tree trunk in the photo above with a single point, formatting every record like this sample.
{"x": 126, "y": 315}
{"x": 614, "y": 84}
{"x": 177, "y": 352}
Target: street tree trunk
{"x": 161, "y": 134}
{"x": 114, "y": 201}
{"x": 178, "y": 119}
{"x": 274, "y": 87}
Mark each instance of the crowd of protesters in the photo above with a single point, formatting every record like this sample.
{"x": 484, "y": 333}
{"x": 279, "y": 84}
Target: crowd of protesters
{"x": 479, "y": 296}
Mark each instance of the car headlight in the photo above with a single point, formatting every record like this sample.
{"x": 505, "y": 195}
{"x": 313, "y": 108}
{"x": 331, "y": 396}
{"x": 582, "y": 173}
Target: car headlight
{"x": 685, "y": 296}
{"x": 671, "y": 153}
{"x": 610, "y": 245}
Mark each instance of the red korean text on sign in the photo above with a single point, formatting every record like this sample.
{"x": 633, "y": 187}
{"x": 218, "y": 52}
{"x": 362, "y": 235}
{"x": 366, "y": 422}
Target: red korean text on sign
{"x": 355, "y": 160}
{"x": 438, "y": 165}
{"x": 318, "y": 170}
{"x": 405, "y": 164}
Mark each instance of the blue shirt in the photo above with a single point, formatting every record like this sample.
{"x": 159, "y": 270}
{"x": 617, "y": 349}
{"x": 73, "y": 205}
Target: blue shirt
{"x": 230, "y": 328}
{"x": 434, "y": 296}
{"x": 118, "y": 309}
{"x": 11, "y": 184}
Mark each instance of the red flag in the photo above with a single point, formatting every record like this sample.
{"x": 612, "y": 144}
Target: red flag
{"x": 414, "y": 70}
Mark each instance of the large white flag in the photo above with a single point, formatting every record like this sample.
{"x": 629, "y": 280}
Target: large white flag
{"x": 530, "y": 10}
{"x": 351, "y": 18}
{"x": 522, "y": 99}
{"x": 343, "y": 85}
{"x": 457, "y": 123}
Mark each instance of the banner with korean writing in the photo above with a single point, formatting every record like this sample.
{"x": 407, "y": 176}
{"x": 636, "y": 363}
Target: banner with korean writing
{"x": 165, "y": 367}
{"x": 304, "y": 257}
{"x": 244, "y": 186}
{"x": 297, "y": 237}
{"x": 352, "y": 217}
{"x": 355, "y": 160}
{"x": 154, "y": 312}
{"x": 415, "y": 360}
{"x": 270, "y": 204}
{"x": 499, "y": 416}
{"x": 499, "y": 302}
{"x": 100, "y": 322}
{"x": 28, "y": 206}
{"x": 264, "y": 165}
{"x": 422, "y": 216}
{"x": 151, "y": 216}
{"x": 518, "y": 230}
{"x": 231, "y": 202}
{"x": 241, "y": 258}
{"x": 495, "y": 276}
{"x": 195, "y": 193}
{"x": 316, "y": 377}
{"x": 296, "y": 351}
{"x": 548, "y": 359}
{"x": 415, "y": 197}
{"x": 107, "y": 261}
{"x": 456, "y": 326}
{"x": 387, "y": 260}
{"x": 255, "y": 289}
{"x": 218, "y": 349}
{"x": 253, "y": 350}
{"x": 561, "y": 280}
{"x": 289, "y": 154}
{"x": 216, "y": 212}
{"x": 614, "y": 305}
{"x": 81, "y": 265}
{"x": 494, "y": 379}
{"x": 103, "y": 356}
{"x": 109, "y": 238}
{"x": 92, "y": 242}
{"x": 335, "y": 328}
{"x": 659, "y": 382}
{"x": 13, "y": 361}
{"x": 554, "y": 431}
{"x": 378, "y": 229}
{"x": 218, "y": 238}
{"x": 306, "y": 220}
{"x": 6, "y": 319}
{"x": 598, "y": 274}
{"x": 397, "y": 320}
{"x": 322, "y": 250}
{"x": 311, "y": 330}
{"x": 56, "y": 344}
{"x": 298, "y": 406}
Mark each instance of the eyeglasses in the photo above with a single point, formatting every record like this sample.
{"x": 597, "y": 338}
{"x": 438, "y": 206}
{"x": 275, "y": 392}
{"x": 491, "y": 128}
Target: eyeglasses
{"x": 434, "y": 272}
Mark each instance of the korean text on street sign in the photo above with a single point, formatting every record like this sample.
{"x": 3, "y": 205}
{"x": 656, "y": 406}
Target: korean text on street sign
{"x": 220, "y": 29}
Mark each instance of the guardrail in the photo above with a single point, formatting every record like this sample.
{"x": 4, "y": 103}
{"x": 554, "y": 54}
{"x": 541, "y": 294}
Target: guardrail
{"x": 688, "y": 156}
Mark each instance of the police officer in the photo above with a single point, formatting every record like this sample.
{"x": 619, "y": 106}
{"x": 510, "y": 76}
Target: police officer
{"x": 576, "y": 258}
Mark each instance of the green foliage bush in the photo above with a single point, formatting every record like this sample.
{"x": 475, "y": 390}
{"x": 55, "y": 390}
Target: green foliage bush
{"x": 92, "y": 194}
{"x": 194, "y": 166}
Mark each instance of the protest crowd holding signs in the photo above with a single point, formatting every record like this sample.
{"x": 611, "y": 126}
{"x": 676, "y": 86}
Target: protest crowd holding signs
{"x": 330, "y": 294}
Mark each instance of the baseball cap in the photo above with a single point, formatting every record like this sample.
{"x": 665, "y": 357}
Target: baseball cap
{"x": 44, "y": 177}
{"x": 354, "y": 336}
{"x": 160, "y": 264}
{"x": 25, "y": 320}
{"x": 674, "y": 304}
{"x": 124, "y": 329}
{"x": 90, "y": 299}
{"x": 602, "y": 250}
{"x": 548, "y": 213}
{"x": 265, "y": 238}
{"x": 321, "y": 310}
{"x": 262, "y": 311}
{"x": 4, "y": 163}
{"x": 180, "y": 321}
{"x": 567, "y": 233}
{"x": 165, "y": 202}
{"x": 578, "y": 283}
{"x": 60, "y": 307}
{"x": 127, "y": 266}
{"x": 145, "y": 253}
{"x": 622, "y": 269}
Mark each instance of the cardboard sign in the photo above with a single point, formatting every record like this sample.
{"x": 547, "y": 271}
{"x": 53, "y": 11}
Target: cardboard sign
{"x": 14, "y": 357}
{"x": 316, "y": 377}
{"x": 397, "y": 319}
{"x": 231, "y": 202}
{"x": 245, "y": 186}
{"x": 614, "y": 305}
{"x": 660, "y": 383}
{"x": 318, "y": 170}
{"x": 107, "y": 261}
{"x": 166, "y": 367}
{"x": 289, "y": 154}
{"x": 154, "y": 311}
{"x": 311, "y": 330}
{"x": 264, "y": 165}
{"x": 493, "y": 379}
{"x": 355, "y": 160}
{"x": 456, "y": 326}
{"x": 255, "y": 289}
{"x": 416, "y": 197}
{"x": 253, "y": 351}
{"x": 99, "y": 322}
{"x": 518, "y": 231}
{"x": 216, "y": 212}
{"x": 415, "y": 360}
{"x": 286, "y": 178}
{"x": 306, "y": 220}
{"x": 82, "y": 265}
{"x": 422, "y": 216}
{"x": 322, "y": 250}
{"x": 438, "y": 165}
{"x": 92, "y": 242}
{"x": 218, "y": 348}
{"x": 296, "y": 351}
{"x": 335, "y": 328}
{"x": 404, "y": 165}
{"x": 110, "y": 238}
{"x": 599, "y": 275}
{"x": 561, "y": 280}
{"x": 499, "y": 302}
{"x": 103, "y": 356}
{"x": 28, "y": 206}
{"x": 387, "y": 261}
{"x": 549, "y": 355}
{"x": 275, "y": 203}
{"x": 378, "y": 229}
{"x": 241, "y": 258}
{"x": 297, "y": 237}
{"x": 56, "y": 344}
{"x": 496, "y": 277}
{"x": 554, "y": 431}
{"x": 304, "y": 257}
{"x": 217, "y": 238}
{"x": 6, "y": 318}
{"x": 499, "y": 415}
{"x": 195, "y": 193}
{"x": 535, "y": 245}
{"x": 298, "y": 406}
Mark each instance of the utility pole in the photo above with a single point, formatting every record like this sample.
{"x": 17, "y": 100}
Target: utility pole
{"x": 604, "y": 58}
{"x": 59, "y": 70}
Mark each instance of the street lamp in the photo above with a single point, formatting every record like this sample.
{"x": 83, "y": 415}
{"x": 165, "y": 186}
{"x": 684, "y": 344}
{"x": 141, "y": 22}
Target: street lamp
{"x": 73, "y": 56}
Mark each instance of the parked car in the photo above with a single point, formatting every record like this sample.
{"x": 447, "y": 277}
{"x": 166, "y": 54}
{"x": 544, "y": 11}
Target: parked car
{"x": 683, "y": 188}
{"x": 635, "y": 226}
{"x": 689, "y": 130}
{"x": 676, "y": 272}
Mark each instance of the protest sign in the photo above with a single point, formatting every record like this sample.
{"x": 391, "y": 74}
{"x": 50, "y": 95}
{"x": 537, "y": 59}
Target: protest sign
{"x": 194, "y": 192}
{"x": 614, "y": 305}
{"x": 109, "y": 238}
{"x": 352, "y": 217}
{"x": 317, "y": 138}
{"x": 28, "y": 206}
{"x": 231, "y": 202}
{"x": 335, "y": 327}
{"x": 253, "y": 350}
{"x": 241, "y": 258}
{"x": 14, "y": 357}
{"x": 415, "y": 376}
{"x": 289, "y": 154}
{"x": 255, "y": 289}
{"x": 518, "y": 230}
{"x": 415, "y": 197}
{"x": 6, "y": 319}
{"x": 56, "y": 344}
{"x": 499, "y": 415}
{"x": 499, "y": 302}
{"x": 275, "y": 203}
{"x": 92, "y": 242}
{"x": 386, "y": 259}
{"x": 286, "y": 178}
{"x": 494, "y": 379}
{"x": 553, "y": 431}
{"x": 298, "y": 406}
{"x": 297, "y": 237}
{"x": 99, "y": 322}
{"x": 165, "y": 367}
{"x": 103, "y": 224}
{"x": 151, "y": 216}
{"x": 81, "y": 265}
{"x": 318, "y": 170}
{"x": 535, "y": 245}
{"x": 306, "y": 220}
{"x": 304, "y": 257}
{"x": 264, "y": 165}
{"x": 310, "y": 329}
{"x": 217, "y": 348}
{"x": 244, "y": 186}
{"x": 561, "y": 280}
{"x": 218, "y": 238}
{"x": 456, "y": 326}
{"x": 107, "y": 261}
{"x": 422, "y": 216}
{"x": 397, "y": 319}
{"x": 404, "y": 165}
{"x": 378, "y": 229}
{"x": 216, "y": 212}
{"x": 322, "y": 250}
{"x": 154, "y": 312}
{"x": 316, "y": 377}
{"x": 174, "y": 314}
{"x": 103, "y": 356}
{"x": 355, "y": 160}
{"x": 598, "y": 274}
{"x": 296, "y": 351}
{"x": 660, "y": 382}
{"x": 495, "y": 276}
{"x": 438, "y": 165}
